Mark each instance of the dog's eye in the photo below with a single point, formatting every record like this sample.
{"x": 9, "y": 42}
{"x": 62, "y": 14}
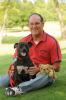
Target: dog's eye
{"x": 20, "y": 47}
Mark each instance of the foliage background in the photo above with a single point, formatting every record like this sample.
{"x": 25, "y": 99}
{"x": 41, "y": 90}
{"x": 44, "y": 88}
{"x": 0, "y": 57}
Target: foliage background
{"x": 18, "y": 12}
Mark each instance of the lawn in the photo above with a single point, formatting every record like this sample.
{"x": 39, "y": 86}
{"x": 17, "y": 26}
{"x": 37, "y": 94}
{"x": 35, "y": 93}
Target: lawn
{"x": 55, "y": 92}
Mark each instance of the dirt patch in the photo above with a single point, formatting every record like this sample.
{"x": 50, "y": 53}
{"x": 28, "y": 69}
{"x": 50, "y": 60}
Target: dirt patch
{"x": 6, "y": 49}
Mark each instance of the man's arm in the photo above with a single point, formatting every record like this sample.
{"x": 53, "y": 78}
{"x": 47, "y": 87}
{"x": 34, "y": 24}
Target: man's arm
{"x": 33, "y": 70}
{"x": 56, "y": 66}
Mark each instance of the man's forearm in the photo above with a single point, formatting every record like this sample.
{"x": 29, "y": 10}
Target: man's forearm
{"x": 56, "y": 66}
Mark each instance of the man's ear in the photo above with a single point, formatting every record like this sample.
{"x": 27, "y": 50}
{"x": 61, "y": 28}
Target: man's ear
{"x": 15, "y": 45}
{"x": 29, "y": 44}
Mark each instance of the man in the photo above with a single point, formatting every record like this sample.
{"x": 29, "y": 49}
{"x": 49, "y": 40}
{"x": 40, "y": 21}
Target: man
{"x": 44, "y": 50}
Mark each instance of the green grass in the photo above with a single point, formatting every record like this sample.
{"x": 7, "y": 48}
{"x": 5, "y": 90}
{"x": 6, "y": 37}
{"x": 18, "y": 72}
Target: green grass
{"x": 55, "y": 92}
{"x": 10, "y": 39}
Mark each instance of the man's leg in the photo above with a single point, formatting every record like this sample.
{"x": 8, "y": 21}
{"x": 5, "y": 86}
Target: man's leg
{"x": 39, "y": 82}
{"x": 4, "y": 80}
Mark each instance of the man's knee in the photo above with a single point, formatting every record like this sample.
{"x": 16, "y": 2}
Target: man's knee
{"x": 4, "y": 81}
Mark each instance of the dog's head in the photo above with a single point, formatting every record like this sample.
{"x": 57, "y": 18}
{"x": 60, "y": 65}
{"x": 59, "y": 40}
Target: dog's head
{"x": 23, "y": 48}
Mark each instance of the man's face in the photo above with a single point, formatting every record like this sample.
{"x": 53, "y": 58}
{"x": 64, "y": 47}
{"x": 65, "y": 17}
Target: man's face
{"x": 35, "y": 25}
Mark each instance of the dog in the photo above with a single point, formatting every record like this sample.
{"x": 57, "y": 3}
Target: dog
{"x": 23, "y": 60}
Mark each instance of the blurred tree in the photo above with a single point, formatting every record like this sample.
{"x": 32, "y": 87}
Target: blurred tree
{"x": 61, "y": 18}
{"x": 5, "y": 9}
{"x": 18, "y": 13}
{"x": 46, "y": 9}
{"x": 15, "y": 14}
{"x": 26, "y": 8}
{"x": 40, "y": 7}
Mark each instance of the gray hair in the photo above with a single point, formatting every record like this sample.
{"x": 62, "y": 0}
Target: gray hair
{"x": 41, "y": 18}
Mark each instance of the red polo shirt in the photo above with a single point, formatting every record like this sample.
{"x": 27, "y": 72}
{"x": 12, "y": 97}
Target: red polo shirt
{"x": 47, "y": 51}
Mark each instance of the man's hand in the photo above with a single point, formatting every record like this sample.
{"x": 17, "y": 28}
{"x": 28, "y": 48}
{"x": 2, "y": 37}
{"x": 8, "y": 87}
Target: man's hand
{"x": 33, "y": 70}
{"x": 56, "y": 66}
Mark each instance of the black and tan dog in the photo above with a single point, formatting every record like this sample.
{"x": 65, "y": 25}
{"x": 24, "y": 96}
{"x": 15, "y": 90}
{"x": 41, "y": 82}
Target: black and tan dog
{"x": 23, "y": 60}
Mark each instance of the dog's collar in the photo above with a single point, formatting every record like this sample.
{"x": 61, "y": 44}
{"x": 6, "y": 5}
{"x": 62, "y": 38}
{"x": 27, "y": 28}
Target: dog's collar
{"x": 19, "y": 58}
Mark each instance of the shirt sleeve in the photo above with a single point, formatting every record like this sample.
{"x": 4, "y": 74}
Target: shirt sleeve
{"x": 55, "y": 52}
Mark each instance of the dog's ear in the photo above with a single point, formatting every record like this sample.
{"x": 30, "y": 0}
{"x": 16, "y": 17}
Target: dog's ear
{"x": 15, "y": 45}
{"x": 29, "y": 44}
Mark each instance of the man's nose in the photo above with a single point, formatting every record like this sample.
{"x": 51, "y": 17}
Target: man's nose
{"x": 34, "y": 25}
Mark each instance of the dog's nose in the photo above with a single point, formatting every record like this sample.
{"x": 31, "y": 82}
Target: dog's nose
{"x": 24, "y": 50}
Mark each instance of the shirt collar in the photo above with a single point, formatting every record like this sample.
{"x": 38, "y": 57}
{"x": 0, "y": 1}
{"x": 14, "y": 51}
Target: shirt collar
{"x": 43, "y": 37}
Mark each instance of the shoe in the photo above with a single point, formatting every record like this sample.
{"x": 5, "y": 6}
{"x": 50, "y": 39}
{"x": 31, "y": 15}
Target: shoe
{"x": 13, "y": 91}
{"x": 9, "y": 92}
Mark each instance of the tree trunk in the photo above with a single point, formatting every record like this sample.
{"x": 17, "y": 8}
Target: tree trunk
{"x": 61, "y": 19}
{"x": 2, "y": 32}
